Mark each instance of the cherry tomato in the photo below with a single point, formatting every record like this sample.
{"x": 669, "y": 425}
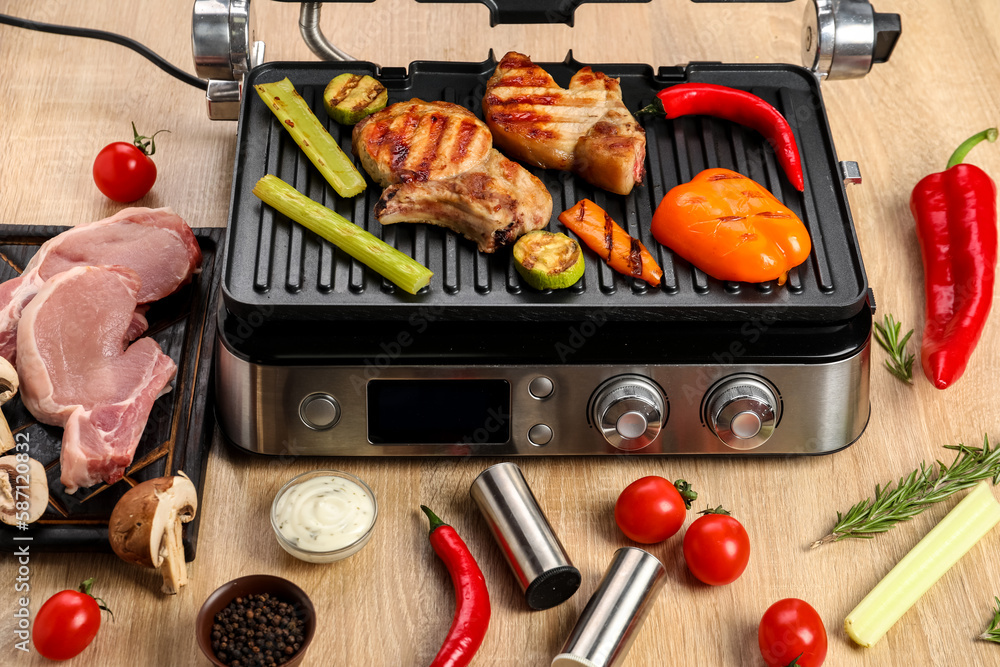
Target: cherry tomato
{"x": 716, "y": 548}
{"x": 652, "y": 509}
{"x": 124, "y": 172}
{"x": 67, "y": 622}
{"x": 791, "y": 630}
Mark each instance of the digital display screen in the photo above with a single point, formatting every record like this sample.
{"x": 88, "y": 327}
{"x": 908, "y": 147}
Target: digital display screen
{"x": 413, "y": 412}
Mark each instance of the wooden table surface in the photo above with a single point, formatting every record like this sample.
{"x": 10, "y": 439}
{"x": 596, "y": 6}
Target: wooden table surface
{"x": 391, "y": 604}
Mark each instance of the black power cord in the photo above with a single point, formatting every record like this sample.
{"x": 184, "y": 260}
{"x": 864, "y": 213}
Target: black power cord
{"x": 115, "y": 38}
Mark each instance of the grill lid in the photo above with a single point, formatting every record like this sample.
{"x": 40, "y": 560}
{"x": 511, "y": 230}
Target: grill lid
{"x": 536, "y": 11}
{"x": 278, "y": 270}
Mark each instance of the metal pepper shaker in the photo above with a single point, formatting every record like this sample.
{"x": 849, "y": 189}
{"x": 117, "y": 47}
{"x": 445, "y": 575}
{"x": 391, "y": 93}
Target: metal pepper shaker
{"x": 530, "y": 546}
{"x": 608, "y": 625}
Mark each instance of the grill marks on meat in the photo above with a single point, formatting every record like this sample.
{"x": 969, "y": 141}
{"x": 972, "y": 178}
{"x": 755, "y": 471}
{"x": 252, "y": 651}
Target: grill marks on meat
{"x": 440, "y": 167}
{"x": 76, "y": 371}
{"x": 585, "y": 128}
{"x": 492, "y": 205}
{"x": 156, "y": 243}
{"x": 420, "y": 141}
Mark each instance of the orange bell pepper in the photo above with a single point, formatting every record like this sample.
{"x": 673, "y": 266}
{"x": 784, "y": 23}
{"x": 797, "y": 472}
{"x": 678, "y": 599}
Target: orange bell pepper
{"x": 731, "y": 228}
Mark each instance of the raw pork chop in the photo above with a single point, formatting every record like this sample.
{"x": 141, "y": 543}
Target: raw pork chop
{"x": 156, "y": 243}
{"x": 77, "y": 373}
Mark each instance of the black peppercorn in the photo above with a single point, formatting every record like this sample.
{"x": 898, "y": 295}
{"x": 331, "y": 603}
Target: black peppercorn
{"x": 257, "y": 630}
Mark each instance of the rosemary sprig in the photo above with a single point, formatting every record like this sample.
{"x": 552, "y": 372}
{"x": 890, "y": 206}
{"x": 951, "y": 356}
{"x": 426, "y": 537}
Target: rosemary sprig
{"x": 992, "y": 633}
{"x": 916, "y": 492}
{"x": 887, "y": 335}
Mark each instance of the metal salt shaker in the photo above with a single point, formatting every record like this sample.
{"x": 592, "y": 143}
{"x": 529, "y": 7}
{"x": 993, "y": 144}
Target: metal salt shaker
{"x": 535, "y": 555}
{"x": 609, "y": 623}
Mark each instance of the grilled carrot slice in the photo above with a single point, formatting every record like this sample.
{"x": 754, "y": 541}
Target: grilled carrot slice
{"x": 614, "y": 245}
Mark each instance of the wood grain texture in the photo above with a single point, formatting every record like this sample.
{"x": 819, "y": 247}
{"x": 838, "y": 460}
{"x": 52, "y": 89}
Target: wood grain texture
{"x": 391, "y": 604}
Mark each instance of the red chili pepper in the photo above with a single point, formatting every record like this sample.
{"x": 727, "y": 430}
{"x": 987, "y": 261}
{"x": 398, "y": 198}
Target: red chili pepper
{"x": 737, "y": 106}
{"x": 956, "y": 214}
{"x": 472, "y": 600}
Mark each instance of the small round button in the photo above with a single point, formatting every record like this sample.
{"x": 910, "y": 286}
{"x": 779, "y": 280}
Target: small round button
{"x": 540, "y": 435}
{"x": 745, "y": 425}
{"x": 541, "y": 387}
{"x": 631, "y": 425}
{"x": 319, "y": 411}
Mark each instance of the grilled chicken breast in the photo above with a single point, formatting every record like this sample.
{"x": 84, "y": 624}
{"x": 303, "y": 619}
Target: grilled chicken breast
{"x": 420, "y": 141}
{"x": 585, "y": 128}
{"x": 439, "y": 164}
{"x": 492, "y": 204}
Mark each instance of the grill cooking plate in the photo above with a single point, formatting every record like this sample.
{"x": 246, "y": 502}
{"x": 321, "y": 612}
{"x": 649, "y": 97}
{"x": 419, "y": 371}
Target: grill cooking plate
{"x": 277, "y": 269}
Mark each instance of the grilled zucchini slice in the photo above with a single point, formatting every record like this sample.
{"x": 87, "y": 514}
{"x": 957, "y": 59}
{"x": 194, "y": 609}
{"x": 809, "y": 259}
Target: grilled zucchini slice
{"x": 351, "y": 97}
{"x": 548, "y": 260}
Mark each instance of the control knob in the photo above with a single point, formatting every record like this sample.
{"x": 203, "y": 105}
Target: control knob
{"x": 742, "y": 412}
{"x": 629, "y": 411}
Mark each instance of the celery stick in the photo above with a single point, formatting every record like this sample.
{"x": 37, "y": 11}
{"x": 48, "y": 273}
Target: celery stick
{"x": 934, "y": 555}
{"x": 409, "y": 274}
{"x": 312, "y": 137}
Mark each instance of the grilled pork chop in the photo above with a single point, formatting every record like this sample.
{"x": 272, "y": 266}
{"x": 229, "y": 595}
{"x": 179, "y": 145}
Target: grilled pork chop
{"x": 156, "y": 243}
{"x": 585, "y": 129}
{"x": 420, "y": 141}
{"x": 491, "y": 205}
{"x": 440, "y": 167}
{"x": 76, "y": 372}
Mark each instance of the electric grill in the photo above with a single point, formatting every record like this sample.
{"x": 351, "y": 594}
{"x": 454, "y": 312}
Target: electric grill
{"x": 318, "y": 355}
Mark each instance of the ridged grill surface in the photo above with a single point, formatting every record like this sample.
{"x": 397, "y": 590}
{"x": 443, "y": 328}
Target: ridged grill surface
{"x": 277, "y": 268}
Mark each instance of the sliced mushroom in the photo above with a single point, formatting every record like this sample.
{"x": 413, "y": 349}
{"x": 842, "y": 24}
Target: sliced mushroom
{"x": 145, "y": 526}
{"x": 8, "y": 388}
{"x": 29, "y": 485}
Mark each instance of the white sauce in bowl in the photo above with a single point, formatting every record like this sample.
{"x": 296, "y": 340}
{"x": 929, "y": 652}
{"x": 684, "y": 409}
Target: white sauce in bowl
{"x": 325, "y": 513}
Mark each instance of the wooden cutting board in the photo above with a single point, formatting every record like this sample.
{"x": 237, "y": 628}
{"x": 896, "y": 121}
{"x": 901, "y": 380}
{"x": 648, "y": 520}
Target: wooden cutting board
{"x": 179, "y": 431}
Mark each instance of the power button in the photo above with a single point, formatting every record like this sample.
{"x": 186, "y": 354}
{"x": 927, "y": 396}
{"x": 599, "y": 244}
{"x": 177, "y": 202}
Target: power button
{"x": 319, "y": 411}
{"x": 541, "y": 387}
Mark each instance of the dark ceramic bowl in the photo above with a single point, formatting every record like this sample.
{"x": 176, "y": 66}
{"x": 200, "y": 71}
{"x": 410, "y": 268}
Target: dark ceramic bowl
{"x": 277, "y": 587}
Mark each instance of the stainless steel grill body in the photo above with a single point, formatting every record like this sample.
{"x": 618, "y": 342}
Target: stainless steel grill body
{"x": 320, "y": 356}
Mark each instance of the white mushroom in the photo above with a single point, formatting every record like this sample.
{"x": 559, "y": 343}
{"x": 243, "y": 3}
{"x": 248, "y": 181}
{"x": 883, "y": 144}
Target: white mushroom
{"x": 22, "y": 482}
{"x": 8, "y": 387}
{"x": 145, "y": 527}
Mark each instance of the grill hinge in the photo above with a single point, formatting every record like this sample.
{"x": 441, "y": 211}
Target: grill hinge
{"x": 392, "y": 74}
{"x": 850, "y": 172}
